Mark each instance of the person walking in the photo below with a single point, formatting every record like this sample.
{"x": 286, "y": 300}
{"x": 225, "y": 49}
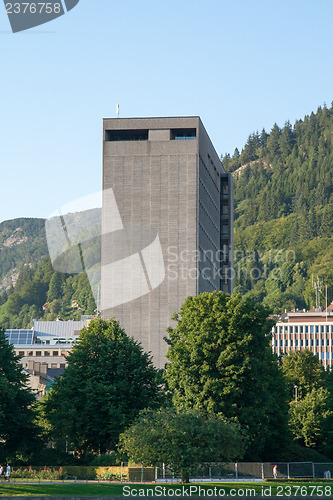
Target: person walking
{"x": 1, "y": 472}
{"x": 8, "y": 471}
{"x": 275, "y": 471}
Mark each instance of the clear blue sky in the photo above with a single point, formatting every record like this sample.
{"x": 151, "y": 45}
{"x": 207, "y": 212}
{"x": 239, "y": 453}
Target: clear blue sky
{"x": 240, "y": 65}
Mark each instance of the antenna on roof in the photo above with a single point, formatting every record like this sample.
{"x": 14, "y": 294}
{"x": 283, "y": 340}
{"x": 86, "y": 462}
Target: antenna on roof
{"x": 317, "y": 285}
{"x": 118, "y": 110}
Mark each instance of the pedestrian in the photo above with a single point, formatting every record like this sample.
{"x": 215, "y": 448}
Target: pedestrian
{"x": 8, "y": 471}
{"x": 1, "y": 472}
{"x": 275, "y": 471}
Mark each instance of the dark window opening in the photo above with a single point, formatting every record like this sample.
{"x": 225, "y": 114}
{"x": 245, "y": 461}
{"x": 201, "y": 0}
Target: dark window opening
{"x": 181, "y": 134}
{"x": 126, "y": 135}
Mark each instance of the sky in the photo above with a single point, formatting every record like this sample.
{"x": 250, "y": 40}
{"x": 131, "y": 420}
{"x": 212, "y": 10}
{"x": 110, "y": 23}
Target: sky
{"x": 240, "y": 65}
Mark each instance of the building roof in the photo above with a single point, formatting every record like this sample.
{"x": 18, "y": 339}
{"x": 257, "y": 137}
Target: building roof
{"x": 58, "y": 328}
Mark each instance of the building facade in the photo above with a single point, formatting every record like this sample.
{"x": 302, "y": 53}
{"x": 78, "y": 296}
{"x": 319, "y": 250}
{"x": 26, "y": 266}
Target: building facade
{"x": 311, "y": 330}
{"x": 167, "y": 223}
{"x": 43, "y": 349}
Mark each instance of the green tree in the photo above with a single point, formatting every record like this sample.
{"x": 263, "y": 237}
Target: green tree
{"x": 221, "y": 361}
{"x": 16, "y": 404}
{"x": 311, "y": 416}
{"x": 55, "y": 289}
{"x": 184, "y": 441}
{"x": 109, "y": 379}
{"x": 302, "y": 368}
{"x": 311, "y": 419}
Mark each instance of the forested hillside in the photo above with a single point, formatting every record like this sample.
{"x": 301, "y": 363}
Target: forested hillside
{"x": 43, "y": 293}
{"x": 284, "y": 212}
{"x": 29, "y": 286}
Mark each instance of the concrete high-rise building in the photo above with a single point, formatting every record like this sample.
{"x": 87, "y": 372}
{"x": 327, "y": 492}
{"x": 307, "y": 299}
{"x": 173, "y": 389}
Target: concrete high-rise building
{"x": 167, "y": 229}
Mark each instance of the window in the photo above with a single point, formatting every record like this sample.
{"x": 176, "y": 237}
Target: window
{"x": 179, "y": 134}
{"x": 296, "y": 329}
{"x": 311, "y": 343}
{"x": 306, "y": 342}
{"x": 286, "y": 343}
{"x": 21, "y": 353}
{"x": 296, "y": 343}
{"x": 317, "y": 342}
{"x": 317, "y": 329}
{"x": 322, "y": 355}
{"x": 291, "y": 342}
{"x": 55, "y": 353}
{"x": 327, "y": 355}
{"x": 38, "y": 353}
{"x": 276, "y": 343}
{"x": 62, "y": 365}
{"x": 301, "y": 342}
{"x": 46, "y": 353}
{"x": 126, "y": 135}
{"x": 53, "y": 365}
{"x": 322, "y": 341}
{"x": 322, "y": 328}
{"x": 327, "y": 329}
{"x": 301, "y": 329}
{"x": 327, "y": 341}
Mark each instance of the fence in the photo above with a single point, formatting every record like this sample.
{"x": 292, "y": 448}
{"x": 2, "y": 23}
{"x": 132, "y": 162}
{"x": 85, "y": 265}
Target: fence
{"x": 252, "y": 471}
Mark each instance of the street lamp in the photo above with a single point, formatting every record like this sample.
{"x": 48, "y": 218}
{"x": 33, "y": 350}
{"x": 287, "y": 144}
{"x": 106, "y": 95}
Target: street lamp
{"x": 295, "y": 387}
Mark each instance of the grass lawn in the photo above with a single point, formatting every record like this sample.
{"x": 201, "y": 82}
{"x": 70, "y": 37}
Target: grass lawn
{"x": 301, "y": 489}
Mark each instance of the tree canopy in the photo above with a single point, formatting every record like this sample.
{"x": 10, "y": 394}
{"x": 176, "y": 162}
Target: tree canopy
{"x": 16, "y": 403}
{"x": 182, "y": 441}
{"x": 109, "y": 379}
{"x": 303, "y": 368}
{"x": 311, "y": 416}
{"x": 221, "y": 361}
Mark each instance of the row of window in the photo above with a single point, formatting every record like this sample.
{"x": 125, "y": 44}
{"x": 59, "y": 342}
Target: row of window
{"x": 42, "y": 353}
{"x": 303, "y": 343}
{"x": 304, "y": 329}
{"x": 52, "y": 365}
{"x": 176, "y": 134}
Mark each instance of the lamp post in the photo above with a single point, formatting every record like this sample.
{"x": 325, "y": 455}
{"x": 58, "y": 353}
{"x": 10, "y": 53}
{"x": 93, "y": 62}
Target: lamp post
{"x": 295, "y": 387}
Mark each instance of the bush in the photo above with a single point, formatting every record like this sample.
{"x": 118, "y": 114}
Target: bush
{"x": 78, "y": 472}
{"x": 37, "y": 474}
